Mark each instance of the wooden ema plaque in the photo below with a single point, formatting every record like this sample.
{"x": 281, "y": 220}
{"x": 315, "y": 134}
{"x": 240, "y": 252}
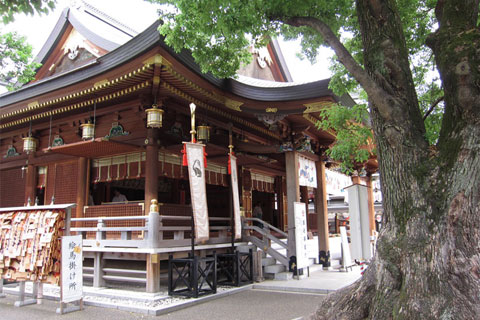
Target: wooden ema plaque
{"x": 30, "y": 244}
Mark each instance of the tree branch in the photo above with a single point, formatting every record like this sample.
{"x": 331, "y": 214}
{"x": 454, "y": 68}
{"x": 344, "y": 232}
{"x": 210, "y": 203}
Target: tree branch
{"x": 432, "y": 107}
{"x": 382, "y": 100}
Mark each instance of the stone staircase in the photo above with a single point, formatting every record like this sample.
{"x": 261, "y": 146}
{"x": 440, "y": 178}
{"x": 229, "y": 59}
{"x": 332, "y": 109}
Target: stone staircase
{"x": 274, "y": 270}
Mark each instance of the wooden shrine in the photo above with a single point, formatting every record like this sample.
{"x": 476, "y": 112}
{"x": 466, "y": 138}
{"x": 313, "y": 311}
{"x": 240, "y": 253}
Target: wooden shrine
{"x": 104, "y": 120}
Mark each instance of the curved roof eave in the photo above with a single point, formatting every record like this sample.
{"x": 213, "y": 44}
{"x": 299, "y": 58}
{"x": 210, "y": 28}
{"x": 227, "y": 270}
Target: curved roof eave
{"x": 92, "y": 36}
{"x": 147, "y": 40}
{"x": 54, "y": 37}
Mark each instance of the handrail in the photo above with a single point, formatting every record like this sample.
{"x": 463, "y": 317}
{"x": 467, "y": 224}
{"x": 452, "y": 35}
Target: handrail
{"x": 144, "y": 218}
{"x": 269, "y": 226}
{"x": 268, "y": 235}
{"x": 155, "y": 235}
{"x": 111, "y": 218}
{"x": 190, "y": 218}
{"x": 266, "y": 238}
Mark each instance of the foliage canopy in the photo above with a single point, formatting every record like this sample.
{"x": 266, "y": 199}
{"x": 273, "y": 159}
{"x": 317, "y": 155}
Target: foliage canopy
{"x": 15, "y": 56}
{"x": 219, "y": 34}
{"x": 8, "y": 8}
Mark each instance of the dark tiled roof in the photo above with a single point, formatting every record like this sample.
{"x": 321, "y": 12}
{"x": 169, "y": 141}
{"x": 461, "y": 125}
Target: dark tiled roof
{"x": 92, "y": 24}
{"x": 148, "y": 40}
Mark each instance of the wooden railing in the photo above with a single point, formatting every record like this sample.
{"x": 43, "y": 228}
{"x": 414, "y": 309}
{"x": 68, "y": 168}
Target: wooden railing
{"x": 263, "y": 241}
{"x": 155, "y": 231}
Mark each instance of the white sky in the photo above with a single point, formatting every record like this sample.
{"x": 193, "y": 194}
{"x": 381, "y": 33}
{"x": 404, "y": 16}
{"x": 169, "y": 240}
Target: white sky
{"x": 139, "y": 14}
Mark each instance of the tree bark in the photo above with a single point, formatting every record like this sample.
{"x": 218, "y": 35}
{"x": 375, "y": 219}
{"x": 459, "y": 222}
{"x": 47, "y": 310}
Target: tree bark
{"x": 427, "y": 264}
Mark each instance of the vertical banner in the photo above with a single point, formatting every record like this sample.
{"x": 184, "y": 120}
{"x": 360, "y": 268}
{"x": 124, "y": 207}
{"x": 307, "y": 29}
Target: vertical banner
{"x": 300, "y": 212}
{"x": 307, "y": 172}
{"x": 236, "y": 199}
{"x": 72, "y": 272}
{"x": 196, "y": 174}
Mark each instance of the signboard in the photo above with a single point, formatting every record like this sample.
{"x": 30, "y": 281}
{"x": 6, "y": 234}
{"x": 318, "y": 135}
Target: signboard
{"x": 346, "y": 257}
{"x": 359, "y": 222}
{"x": 307, "y": 173}
{"x": 236, "y": 199}
{"x": 196, "y": 174}
{"x": 300, "y": 211}
{"x": 72, "y": 275}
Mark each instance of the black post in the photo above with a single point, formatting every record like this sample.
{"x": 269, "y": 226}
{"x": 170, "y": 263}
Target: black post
{"x": 237, "y": 263}
{"x": 170, "y": 275}
{"x": 230, "y": 207}
{"x": 193, "y": 235}
{"x": 250, "y": 253}
{"x": 215, "y": 272}
{"x": 195, "y": 276}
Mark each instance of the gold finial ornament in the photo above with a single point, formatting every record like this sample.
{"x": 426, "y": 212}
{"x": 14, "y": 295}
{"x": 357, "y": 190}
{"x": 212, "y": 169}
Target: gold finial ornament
{"x": 154, "y": 205}
{"x": 192, "y": 113}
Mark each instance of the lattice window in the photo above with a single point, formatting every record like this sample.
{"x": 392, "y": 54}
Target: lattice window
{"x": 62, "y": 182}
{"x": 12, "y": 188}
{"x": 116, "y": 210}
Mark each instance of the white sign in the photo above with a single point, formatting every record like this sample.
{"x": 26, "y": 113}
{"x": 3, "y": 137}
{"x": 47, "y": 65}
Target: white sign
{"x": 359, "y": 222}
{"x": 236, "y": 200}
{"x": 307, "y": 173}
{"x": 72, "y": 273}
{"x": 300, "y": 211}
{"x": 346, "y": 257}
{"x": 196, "y": 173}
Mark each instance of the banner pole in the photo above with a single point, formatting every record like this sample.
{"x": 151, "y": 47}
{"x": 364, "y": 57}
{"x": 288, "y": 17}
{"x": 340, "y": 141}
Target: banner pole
{"x": 230, "y": 199}
{"x": 193, "y": 235}
{"x": 230, "y": 207}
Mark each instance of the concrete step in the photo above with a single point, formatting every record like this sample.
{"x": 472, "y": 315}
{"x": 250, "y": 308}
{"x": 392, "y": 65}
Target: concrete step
{"x": 275, "y": 268}
{"x": 335, "y": 262}
{"x": 268, "y": 261}
{"x": 283, "y": 275}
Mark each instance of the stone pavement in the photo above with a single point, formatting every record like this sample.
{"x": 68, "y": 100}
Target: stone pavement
{"x": 318, "y": 283}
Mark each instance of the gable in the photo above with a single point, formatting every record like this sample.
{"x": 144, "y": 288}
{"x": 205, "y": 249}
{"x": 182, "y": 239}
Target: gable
{"x": 267, "y": 64}
{"x": 71, "y": 52}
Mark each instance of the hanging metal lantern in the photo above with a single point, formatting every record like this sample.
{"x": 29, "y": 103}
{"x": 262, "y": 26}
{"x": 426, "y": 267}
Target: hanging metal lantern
{"x": 154, "y": 117}
{"x": 203, "y": 133}
{"x": 29, "y": 144}
{"x": 88, "y": 131}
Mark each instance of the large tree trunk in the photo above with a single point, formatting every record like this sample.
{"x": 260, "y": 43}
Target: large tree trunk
{"x": 427, "y": 264}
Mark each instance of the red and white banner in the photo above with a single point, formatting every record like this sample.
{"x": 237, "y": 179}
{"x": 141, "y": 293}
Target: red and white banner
{"x": 198, "y": 192}
{"x": 236, "y": 199}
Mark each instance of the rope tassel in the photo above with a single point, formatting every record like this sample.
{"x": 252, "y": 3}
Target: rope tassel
{"x": 184, "y": 151}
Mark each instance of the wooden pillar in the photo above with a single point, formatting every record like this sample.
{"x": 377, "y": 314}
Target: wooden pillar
{"x": 280, "y": 206}
{"x": 30, "y": 184}
{"x": 151, "y": 167}
{"x": 153, "y": 273}
{"x": 246, "y": 192}
{"x": 321, "y": 208}
{"x": 293, "y": 195}
{"x": 371, "y": 205}
{"x": 87, "y": 183}
{"x": 304, "y": 194}
{"x": 356, "y": 180}
{"x": 81, "y": 186}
